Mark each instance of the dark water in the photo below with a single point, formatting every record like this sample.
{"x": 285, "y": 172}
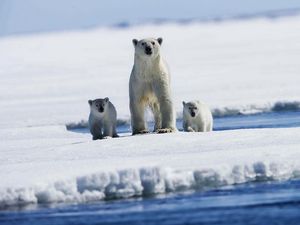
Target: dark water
{"x": 263, "y": 120}
{"x": 251, "y": 203}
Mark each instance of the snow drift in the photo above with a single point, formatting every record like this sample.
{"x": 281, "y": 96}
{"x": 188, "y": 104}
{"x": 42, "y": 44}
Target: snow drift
{"x": 142, "y": 182}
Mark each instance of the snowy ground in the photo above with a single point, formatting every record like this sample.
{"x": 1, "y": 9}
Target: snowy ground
{"x": 47, "y": 79}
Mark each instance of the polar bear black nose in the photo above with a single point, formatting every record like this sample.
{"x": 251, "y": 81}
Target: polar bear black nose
{"x": 148, "y": 50}
{"x": 193, "y": 114}
{"x": 101, "y": 109}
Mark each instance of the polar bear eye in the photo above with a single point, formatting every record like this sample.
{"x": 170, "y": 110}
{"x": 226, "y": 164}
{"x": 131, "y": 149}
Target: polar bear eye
{"x": 143, "y": 43}
{"x": 153, "y": 43}
{"x": 195, "y": 108}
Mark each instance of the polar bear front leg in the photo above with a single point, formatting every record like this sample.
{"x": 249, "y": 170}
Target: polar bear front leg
{"x": 107, "y": 131}
{"x": 157, "y": 116}
{"x": 96, "y": 131}
{"x": 138, "y": 124}
{"x": 115, "y": 134}
{"x": 190, "y": 129}
{"x": 166, "y": 109}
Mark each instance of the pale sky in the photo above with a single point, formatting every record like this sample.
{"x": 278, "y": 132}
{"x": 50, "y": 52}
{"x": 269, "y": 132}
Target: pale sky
{"x": 18, "y": 16}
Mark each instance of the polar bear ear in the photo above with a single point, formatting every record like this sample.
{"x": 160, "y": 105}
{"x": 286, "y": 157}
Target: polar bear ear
{"x": 90, "y": 102}
{"x": 183, "y": 103}
{"x": 106, "y": 99}
{"x": 159, "y": 40}
{"x": 135, "y": 41}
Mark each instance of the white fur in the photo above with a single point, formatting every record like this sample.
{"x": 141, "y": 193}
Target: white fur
{"x": 149, "y": 85}
{"x": 102, "y": 125}
{"x": 201, "y": 122}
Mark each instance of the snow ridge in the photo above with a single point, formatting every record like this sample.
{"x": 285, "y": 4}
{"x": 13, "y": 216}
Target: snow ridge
{"x": 280, "y": 106}
{"x": 142, "y": 182}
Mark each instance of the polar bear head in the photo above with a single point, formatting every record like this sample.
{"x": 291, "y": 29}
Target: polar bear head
{"x": 98, "y": 106}
{"x": 190, "y": 108}
{"x": 147, "y": 48}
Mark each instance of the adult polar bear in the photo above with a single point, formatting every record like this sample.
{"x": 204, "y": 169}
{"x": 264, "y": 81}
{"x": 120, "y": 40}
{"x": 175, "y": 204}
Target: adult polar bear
{"x": 149, "y": 85}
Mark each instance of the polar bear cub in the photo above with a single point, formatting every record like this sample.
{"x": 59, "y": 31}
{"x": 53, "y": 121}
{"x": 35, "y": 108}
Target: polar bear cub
{"x": 197, "y": 117}
{"x": 102, "y": 119}
{"x": 149, "y": 86}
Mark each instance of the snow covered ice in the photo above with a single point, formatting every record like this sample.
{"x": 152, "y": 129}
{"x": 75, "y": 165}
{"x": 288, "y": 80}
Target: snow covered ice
{"x": 59, "y": 169}
{"x": 236, "y": 67}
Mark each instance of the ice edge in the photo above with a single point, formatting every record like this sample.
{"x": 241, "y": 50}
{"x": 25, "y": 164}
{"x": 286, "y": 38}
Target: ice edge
{"x": 129, "y": 183}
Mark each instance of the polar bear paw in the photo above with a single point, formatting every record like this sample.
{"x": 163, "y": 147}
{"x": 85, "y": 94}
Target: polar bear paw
{"x": 107, "y": 137}
{"x": 190, "y": 129}
{"x": 141, "y": 132}
{"x": 165, "y": 130}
